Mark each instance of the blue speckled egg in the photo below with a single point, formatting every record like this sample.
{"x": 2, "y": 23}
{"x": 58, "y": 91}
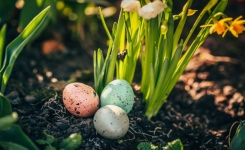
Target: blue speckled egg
{"x": 118, "y": 92}
{"x": 111, "y": 122}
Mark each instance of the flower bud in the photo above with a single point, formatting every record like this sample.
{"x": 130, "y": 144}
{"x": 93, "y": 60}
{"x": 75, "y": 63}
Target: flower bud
{"x": 164, "y": 27}
{"x": 191, "y": 12}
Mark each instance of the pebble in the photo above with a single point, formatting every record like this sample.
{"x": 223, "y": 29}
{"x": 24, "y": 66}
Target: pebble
{"x": 30, "y": 99}
{"x": 13, "y": 95}
{"x": 15, "y": 101}
{"x": 14, "y": 98}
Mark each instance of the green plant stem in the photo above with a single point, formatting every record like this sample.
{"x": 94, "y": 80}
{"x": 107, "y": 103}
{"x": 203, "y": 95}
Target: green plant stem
{"x": 105, "y": 69}
{"x": 172, "y": 76}
{"x": 2, "y": 41}
{"x": 101, "y": 67}
{"x": 169, "y": 39}
{"x": 134, "y": 40}
{"x": 157, "y": 100}
{"x": 207, "y": 8}
{"x": 104, "y": 25}
{"x": 8, "y": 120}
{"x": 113, "y": 56}
{"x": 151, "y": 39}
{"x": 181, "y": 24}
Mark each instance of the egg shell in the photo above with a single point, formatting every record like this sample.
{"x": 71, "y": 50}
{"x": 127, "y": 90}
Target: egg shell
{"x": 120, "y": 93}
{"x": 111, "y": 122}
{"x": 80, "y": 99}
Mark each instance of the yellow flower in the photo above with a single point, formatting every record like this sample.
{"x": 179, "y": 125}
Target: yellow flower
{"x": 237, "y": 27}
{"x": 130, "y": 5}
{"x": 191, "y": 12}
{"x": 220, "y": 26}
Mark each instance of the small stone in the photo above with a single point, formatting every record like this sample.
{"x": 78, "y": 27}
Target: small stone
{"x": 15, "y": 101}
{"x": 31, "y": 99}
{"x": 13, "y": 95}
{"x": 14, "y": 98}
{"x": 24, "y": 110}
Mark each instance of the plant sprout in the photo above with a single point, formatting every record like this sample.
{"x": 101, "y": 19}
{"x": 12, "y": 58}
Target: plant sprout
{"x": 149, "y": 31}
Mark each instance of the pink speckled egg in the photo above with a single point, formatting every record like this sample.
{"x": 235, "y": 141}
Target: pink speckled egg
{"x": 80, "y": 99}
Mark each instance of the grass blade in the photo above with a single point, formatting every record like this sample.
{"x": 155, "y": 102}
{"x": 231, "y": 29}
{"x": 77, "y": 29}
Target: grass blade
{"x": 16, "y": 46}
{"x": 5, "y": 106}
{"x": 2, "y": 41}
{"x": 14, "y": 134}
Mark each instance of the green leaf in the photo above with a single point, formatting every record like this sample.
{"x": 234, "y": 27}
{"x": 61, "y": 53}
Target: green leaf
{"x": 8, "y": 120}
{"x": 50, "y": 148}
{"x": 72, "y": 142}
{"x": 153, "y": 83}
{"x": 144, "y": 146}
{"x": 5, "y": 106}
{"x": 41, "y": 142}
{"x": 11, "y": 146}
{"x": 14, "y": 134}
{"x": 147, "y": 146}
{"x": 16, "y": 46}
{"x": 206, "y": 9}
{"x": 238, "y": 141}
{"x": 104, "y": 25}
{"x": 174, "y": 145}
{"x": 51, "y": 142}
{"x": 99, "y": 67}
{"x": 182, "y": 21}
{"x": 114, "y": 50}
{"x": 49, "y": 138}
{"x": 31, "y": 8}
{"x": 2, "y": 41}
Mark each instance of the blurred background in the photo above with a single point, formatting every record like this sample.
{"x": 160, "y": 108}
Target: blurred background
{"x": 78, "y": 20}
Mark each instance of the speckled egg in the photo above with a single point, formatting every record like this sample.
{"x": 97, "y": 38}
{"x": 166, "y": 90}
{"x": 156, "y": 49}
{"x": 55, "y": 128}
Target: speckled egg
{"x": 111, "y": 122}
{"x": 118, "y": 92}
{"x": 80, "y": 99}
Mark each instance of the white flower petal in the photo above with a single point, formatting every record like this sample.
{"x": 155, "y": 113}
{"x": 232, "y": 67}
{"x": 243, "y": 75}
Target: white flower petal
{"x": 158, "y": 6}
{"x": 151, "y": 10}
{"x": 130, "y": 5}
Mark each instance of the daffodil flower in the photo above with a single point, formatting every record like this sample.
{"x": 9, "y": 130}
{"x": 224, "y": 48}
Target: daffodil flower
{"x": 220, "y": 26}
{"x": 151, "y": 10}
{"x": 236, "y": 27}
{"x": 130, "y": 5}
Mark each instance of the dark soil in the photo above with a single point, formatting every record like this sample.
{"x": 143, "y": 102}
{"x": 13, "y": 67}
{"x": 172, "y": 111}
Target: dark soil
{"x": 200, "y": 111}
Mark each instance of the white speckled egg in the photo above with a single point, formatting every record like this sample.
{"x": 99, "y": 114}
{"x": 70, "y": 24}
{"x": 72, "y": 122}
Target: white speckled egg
{"x": 111, "y": 122}
{"x": 118, "y": 92}
{"x": 80, "y": 99}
